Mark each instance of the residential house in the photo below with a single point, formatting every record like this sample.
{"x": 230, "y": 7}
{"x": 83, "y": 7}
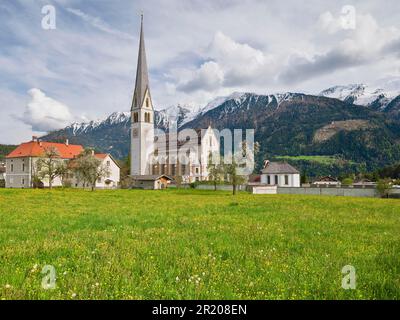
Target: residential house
{"x": 21, "y": 165}
{"x": 110, "y": 181}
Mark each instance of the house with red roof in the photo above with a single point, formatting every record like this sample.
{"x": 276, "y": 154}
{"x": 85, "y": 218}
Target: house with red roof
{"x": 21, "y": 165}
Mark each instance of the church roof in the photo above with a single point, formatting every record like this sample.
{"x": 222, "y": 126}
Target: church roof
{"x": 142, "y": 74}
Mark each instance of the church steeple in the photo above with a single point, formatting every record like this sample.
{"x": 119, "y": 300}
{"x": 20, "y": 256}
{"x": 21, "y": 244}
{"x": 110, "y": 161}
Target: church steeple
{"x": 142, "y": 88}
{"x": 142, "y": 117}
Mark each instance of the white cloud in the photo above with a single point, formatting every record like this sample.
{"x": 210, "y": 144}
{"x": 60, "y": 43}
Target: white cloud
{"x": 366, "y": 44}
{"x": 208, "y": 77}
{"x": 233, "y": 64}
{"x": 99, "y": 24}
{"x": 44, "y": 114}
{"x": 239, "y": 61}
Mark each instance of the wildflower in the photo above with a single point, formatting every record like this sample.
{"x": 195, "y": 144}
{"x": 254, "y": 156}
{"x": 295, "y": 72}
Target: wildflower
{"x": 7, "y": 286}
{"x": 177, "y": 279}
{"x": 73, "y": 295}
{"x": 65, "y": 273}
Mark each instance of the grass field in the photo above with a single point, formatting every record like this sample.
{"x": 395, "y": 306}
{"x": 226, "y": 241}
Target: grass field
{"x": 184, "y": 244}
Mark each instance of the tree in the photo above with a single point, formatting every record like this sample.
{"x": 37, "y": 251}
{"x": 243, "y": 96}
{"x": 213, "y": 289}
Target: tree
{"x": 215, "y": 171}
{"x": 304, "y": 178}
{"x": 383, "y": 187}
{"x": 89, "y": 169}
{"x": 347, "y": 182}
{"x": 235, "y": 169}
{"x": 50, "y": 165}
{"x": 125, "y": 166}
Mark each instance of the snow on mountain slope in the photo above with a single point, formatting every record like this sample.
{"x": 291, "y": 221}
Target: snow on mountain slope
{"x": 365, "y": 95}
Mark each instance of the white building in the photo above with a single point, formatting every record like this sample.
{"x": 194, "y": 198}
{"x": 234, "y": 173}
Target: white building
{"x": 155, "y": 155}
{"x": 2, "y": 174}
{"x": 21, "y": 165}
{"x": 280, "y": 174}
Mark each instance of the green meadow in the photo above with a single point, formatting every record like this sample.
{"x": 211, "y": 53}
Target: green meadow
{"x": 190, "y": 244}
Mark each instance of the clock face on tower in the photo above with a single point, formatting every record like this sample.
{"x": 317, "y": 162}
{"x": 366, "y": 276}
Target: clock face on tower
{"x": 135, "y": 133}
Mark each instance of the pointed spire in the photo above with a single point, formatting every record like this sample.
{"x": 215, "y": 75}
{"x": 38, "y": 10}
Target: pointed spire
{"x": 142, "y": 76}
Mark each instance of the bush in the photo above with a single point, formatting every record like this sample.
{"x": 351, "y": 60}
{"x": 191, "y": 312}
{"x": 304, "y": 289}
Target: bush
{"x": 383, "y": 187}
{"x": 2, "y": 183}
{"x": 347, "y": 182}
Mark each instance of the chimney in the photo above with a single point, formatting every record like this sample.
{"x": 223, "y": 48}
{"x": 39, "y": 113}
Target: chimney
{"x": 67, "y": 142}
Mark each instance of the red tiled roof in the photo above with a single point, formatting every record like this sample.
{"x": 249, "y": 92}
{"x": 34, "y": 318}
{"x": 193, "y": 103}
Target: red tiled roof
{"x": 37, "y": 149}
{"x": 101, "y": 155}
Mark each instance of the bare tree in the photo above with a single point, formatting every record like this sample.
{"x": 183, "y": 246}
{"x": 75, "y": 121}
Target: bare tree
{"x": 50, "y": 165}
{"x": 89, "y": 169}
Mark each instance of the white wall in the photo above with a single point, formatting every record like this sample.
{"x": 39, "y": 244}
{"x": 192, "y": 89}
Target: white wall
{"x": 294, "y": 179}
{"x": 114, "y": 175}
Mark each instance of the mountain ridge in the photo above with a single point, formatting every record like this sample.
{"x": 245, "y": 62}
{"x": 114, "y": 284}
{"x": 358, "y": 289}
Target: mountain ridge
{"x": 285, "y": 124}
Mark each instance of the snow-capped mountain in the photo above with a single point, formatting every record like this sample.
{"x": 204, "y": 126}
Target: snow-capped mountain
{"x": 284, "y": 123}
{"x": 365, "y": 95}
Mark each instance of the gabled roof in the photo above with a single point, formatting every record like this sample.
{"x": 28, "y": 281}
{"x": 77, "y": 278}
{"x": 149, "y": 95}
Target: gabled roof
{"x": 38, "y": 148}
{"x": 279, "y": 168}
{"x": 102, "y": 156}
{"x": 142, "y": 74}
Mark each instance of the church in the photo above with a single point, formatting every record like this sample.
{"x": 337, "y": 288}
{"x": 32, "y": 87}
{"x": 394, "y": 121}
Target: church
{"x": 159, "y": 158}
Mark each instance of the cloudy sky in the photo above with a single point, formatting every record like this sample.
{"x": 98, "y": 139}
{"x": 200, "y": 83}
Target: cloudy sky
{"x": 197, "y": 50}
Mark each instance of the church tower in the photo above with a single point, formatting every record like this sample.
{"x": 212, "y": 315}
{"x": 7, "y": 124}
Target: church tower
{"x": 142, "y": 117}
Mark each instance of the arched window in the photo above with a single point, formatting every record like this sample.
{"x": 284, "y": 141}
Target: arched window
{"x": 135, "y": 117}
{"x": 148, "y": 103}
{"x": 147, "y": 117}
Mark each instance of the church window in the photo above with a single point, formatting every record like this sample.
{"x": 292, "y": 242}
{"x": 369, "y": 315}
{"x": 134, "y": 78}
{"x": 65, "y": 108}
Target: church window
{"x": 135, "y": 117}
{"x": 276, "y": 180}
{"x": 268, "y": 179}
{"x": 286, "y": 180}
{"x": 148, "y": 103}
